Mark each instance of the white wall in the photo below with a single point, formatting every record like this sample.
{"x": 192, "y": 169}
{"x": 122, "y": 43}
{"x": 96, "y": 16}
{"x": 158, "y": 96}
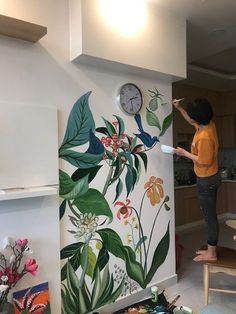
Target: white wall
{"x": 41, "y": 74}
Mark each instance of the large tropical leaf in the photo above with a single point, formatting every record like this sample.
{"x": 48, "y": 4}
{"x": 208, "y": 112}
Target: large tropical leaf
{"x": 166, "y": 124}
{"x": 159, "y": 255}
{"x": 69, "y": 189}
{"x": 74, "y": 260}
{"x": 95, "y": 145}
{"x": 93, "y": 202}
{"x": 81, "y": 160}
{"x": 114, "y": 296}
{"x": 79, "y": 124}
{"x": 113, "y": 243}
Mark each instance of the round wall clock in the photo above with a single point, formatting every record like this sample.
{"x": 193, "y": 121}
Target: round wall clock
{"x": 130, "y": 98}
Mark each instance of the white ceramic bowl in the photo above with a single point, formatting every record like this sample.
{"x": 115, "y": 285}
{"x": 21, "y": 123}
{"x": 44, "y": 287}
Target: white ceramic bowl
{"x": 182, "y": 310}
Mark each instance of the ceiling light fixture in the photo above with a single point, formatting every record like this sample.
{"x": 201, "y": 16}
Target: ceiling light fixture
{"x": 126, "y": 16}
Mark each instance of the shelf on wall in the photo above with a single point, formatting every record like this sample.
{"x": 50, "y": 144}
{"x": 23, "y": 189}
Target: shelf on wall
{"x": 11, "y": 194}
{"x": 15, "y": 28}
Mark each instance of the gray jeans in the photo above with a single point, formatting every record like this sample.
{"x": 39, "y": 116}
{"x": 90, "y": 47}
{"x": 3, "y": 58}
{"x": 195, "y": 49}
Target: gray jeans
{"x": 207, "y": 193}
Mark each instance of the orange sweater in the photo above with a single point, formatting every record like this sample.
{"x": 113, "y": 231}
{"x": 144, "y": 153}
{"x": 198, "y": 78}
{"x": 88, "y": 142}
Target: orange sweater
{"x": 205, "y": 145}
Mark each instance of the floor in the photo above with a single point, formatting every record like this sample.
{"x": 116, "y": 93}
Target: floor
{"x": 190, "y": 277}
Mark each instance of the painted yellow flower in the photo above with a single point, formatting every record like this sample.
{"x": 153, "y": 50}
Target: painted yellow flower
{"x": 155, "y": 190}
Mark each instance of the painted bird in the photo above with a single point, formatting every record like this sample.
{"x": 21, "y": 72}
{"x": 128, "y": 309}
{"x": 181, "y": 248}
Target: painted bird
{"x": 145, "y": 137}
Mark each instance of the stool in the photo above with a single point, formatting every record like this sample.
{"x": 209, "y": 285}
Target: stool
{"x": 226, "y": 263}
{"x": 217, "y": 309}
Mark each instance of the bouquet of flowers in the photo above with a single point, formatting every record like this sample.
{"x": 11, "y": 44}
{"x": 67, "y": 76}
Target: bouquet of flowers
{"x": 15, "y": 263}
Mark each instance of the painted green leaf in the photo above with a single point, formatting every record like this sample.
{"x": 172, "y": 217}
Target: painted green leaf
{"x": 75, "y": 262}
{"x": 80, "y": 173}
{"x": 111, "y": 241}
{"x": 137, "y": 167}
{"x": 107, "y": 292}
{"x": 159, "y": 255}
{"x": 66, "y": 184}
{"x": 143, "y": 156}
{"x": 72, "y": 281}
{"x": 62, "y": 209}
{"x": 110, "y": 128}
{"x": 153, "y": 104}
{"x": 129, "y": 180}
{"x": 81, "y": 160}
{"x": 121, "y": 125}
{"x": 152, "y": 119}
{"x": 79, "y": 124}
{"x": 128, "y": 157}
{"x": 115, "y": 295}
{"x": 88, "y": 260}
{"x": 96, "y": 292}
{"x": 105, "y": 279}
{"x": 93, "y": 202}
{"x": 102, "y": 259}
{"x": 70, "y": 249}
{"x": 79, "y": 188}
{"x": 119, "y": 188}
{"x": 68, "y": 302}
{"x": 135, "y": 176}
{"x": 102, "y": 130}
{"x": 167, "y": 208}
{"x": 166, "y": 124}
{"x": 134, "y": 268}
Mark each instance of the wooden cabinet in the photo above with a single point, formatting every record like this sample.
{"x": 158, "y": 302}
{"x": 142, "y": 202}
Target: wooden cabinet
{"x": 187, "y": 207}
{"x": 231, "y": 197}
{"x": 226, "y": 130}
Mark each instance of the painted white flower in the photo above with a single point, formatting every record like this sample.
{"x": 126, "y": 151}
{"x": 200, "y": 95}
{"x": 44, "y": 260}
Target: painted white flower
{"x": 4, "y": 278}
{"x": 6, "y": 242}
{"x": 3, "y": 288}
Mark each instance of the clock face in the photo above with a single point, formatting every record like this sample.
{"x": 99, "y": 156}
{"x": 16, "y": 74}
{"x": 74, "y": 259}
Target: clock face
{"x": 130, "y": 98}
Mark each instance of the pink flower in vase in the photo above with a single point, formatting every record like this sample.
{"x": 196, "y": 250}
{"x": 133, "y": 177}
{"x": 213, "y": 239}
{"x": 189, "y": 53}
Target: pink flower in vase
{"x": 22, "y": 243}
{"x": 31, "y": 266}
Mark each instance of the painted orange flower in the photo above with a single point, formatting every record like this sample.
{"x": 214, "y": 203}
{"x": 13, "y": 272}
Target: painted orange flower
{"x": 155, "y": 190}
{"x": 125, "y": 210}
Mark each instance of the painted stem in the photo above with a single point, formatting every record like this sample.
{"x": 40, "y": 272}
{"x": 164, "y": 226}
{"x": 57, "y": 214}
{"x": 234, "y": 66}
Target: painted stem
{"x": 108, "y": 180}
{"x": 153, "y": 225}
{"x": 142, "y": 236}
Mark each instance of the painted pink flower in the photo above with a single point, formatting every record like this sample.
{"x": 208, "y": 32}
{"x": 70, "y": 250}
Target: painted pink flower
{"x": 22, "y": 243}
{"x": 31, "y": 266}
{"x": 124, "y": 210}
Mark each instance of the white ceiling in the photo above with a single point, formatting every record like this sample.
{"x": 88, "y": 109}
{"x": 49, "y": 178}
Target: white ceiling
{"x": 211, "y": 41}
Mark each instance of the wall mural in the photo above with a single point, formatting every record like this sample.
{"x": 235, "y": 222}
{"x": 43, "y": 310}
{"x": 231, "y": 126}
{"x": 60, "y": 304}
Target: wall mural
{"x": 90, "y": 278}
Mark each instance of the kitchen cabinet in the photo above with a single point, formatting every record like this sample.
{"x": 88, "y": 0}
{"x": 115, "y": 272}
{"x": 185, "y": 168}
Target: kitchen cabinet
{"x": 231, "y": 197}
{"x": 187, "y": 208}
{"x": 226, "y": 130}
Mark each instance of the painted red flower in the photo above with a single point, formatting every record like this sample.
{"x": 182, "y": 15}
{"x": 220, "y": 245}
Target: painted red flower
{"x": 22, "y": 243}
{"x": 125, "y": 210}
